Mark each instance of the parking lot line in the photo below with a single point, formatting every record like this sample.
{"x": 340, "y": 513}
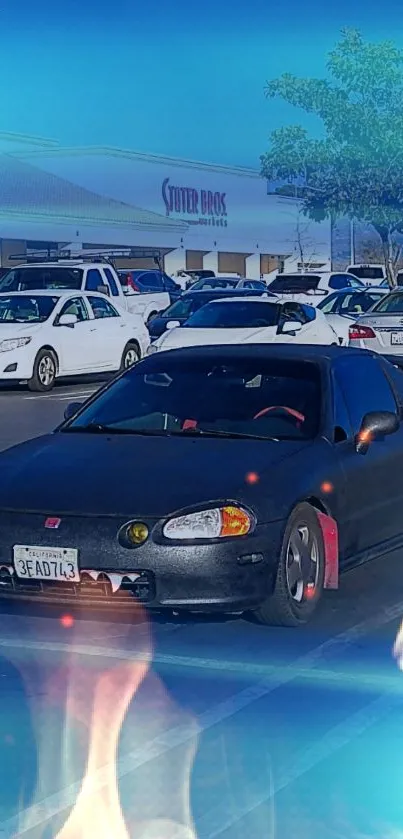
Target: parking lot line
{"x": 57, "y": 396}
{"x": 216, "y": 821}
{"x": 54, "y": 804}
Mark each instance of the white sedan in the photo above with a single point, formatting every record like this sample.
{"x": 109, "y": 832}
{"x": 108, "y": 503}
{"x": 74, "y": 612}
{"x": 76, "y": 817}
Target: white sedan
{"x": 49, "y": 334}
{"x": 251, "y": 320}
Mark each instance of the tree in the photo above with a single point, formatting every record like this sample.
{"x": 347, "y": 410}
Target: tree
{"x": 355, "y": 168}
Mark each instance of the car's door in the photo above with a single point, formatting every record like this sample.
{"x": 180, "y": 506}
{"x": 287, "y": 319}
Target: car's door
{"x": 294, "y": 311}
{"x": 75, "y": 344}
{"x": 174, "y": 290}
{"x": 111, "y": 332}
{"x": 375, "y": 479}
{"x": 116, "y": 293}
{"x": 93, "y": 280}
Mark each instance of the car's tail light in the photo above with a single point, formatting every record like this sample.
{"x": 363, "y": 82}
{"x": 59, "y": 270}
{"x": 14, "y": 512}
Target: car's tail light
{"x": 357, "y": 332}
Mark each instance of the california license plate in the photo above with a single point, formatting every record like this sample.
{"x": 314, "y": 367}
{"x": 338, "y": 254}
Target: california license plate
{"x": 396, "y": 338}
{"x": 38, "y": 563}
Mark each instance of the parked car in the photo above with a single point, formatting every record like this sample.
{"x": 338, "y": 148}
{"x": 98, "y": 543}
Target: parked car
{"x": 241, "y": 320}
{"x": 381, "y": 329}
{"x": 229, "y": 282}
{"x": 268, "y": 506}
{"x": 313, "y": 285}
{"x": 81, "y": 275}
{"x": 185, "y": 278}
{"x": 149, "y": 281}
{"x": 190, "y": 302}
{"x": 370, "y": 274}
{"x": 343, "y": 307}
{"x": 50, "y": 334}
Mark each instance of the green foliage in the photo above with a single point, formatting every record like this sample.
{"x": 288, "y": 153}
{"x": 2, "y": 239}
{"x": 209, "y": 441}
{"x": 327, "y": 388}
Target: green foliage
{"x": 355, "y": 168}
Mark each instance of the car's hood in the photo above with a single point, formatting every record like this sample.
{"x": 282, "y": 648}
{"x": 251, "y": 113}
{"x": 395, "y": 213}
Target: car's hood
{"x": 16, "y": 330}
{"x": 134, "y": 475}
{"x": 188, "y": 337}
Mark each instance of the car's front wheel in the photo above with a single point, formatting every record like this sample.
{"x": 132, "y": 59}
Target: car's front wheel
{"x": 131, "y": 355}
{"x": 44, "y": 372}
{"x": 300, "y": 573}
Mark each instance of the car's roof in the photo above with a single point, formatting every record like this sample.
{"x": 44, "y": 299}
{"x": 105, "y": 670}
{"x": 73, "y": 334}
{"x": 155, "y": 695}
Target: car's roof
{"x": 298, "y": 352}
{"x": 231, "y": 292}
{"x": 236, "y": 298}
{"x": 52, "y": 292}
{"x": 368, "y": 289}
{"x": 61, "y": 263}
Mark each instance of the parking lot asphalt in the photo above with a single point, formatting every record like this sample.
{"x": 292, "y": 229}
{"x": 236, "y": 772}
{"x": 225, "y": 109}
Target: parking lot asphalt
{"x": 231, "y": 728}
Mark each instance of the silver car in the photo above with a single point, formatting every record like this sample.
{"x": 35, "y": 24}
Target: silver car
{"x": 342, "y": 308}
{"x": 381, "y": 329}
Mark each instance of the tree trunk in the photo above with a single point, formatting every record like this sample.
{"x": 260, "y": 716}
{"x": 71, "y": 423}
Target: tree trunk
{"x": 388, "y": 255}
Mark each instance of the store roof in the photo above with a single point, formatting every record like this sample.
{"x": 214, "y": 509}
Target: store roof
{"x": 26, "y": 190}
{"x": 112, "y": 151}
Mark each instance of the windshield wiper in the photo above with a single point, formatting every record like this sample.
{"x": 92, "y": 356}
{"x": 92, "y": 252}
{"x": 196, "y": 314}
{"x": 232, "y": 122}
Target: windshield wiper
{"x": 231, "y": 435}
{"x": 100, "y": 428}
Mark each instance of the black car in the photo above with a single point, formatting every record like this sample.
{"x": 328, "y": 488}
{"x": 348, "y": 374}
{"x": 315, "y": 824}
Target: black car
{"x": 177, "y": 313}
{"x": 152, "y": 279}
{"x": 211, "y": 478}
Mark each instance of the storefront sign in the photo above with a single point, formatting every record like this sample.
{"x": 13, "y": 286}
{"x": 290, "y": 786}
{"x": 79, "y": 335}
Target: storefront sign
{"x": 197, "y": 206}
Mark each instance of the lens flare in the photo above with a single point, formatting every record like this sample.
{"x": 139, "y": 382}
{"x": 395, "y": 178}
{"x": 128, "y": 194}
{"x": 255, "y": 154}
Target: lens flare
{"x": 89, "y": 701}
{"x": 252, "y": 478}
{"x": 398, "y": 647}
{"x": 67, "y": 621}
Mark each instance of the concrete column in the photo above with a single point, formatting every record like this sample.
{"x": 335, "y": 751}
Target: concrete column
{"x": 175, "y": 261}
{"x": 210, "y": 261}
{"x": 252, "y": 266}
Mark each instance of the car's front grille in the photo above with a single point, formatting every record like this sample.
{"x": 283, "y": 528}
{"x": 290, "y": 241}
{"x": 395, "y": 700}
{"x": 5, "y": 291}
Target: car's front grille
{"x": 87, "y": 590}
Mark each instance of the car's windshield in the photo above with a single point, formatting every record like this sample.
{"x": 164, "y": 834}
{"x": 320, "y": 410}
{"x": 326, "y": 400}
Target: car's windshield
{"x": 46, "y": 277}
{"x": 26, "y": 308}
{"x": 350, "y": 302}
{"x": 241, "y": 397}
{"x": 182, "y": 308}
{"x": 215, "y": 282}
{"x": 227, "y": 315}
{"x": 390, "y": 304}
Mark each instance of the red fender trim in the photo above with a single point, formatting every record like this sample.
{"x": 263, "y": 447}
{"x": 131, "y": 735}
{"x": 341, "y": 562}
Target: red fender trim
{"x": 331, "y": 542}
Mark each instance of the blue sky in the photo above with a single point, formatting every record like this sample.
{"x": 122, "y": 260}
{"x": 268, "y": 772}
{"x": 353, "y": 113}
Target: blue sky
{"x": 181, "y": 78}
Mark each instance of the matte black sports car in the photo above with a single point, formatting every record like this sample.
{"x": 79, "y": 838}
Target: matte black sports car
{"x": 211, "y": 478}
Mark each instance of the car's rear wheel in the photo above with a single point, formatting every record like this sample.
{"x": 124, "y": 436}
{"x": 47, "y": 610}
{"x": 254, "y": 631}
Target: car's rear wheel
{"x": 131, "y": 355}
{"x": 300, "y": 573}
{"x": 44, "y": 372}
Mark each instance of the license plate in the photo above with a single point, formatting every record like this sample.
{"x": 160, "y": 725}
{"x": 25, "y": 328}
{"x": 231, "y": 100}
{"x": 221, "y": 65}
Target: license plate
{"x": 396, "y": 338}
{"x": 38, "y": 563}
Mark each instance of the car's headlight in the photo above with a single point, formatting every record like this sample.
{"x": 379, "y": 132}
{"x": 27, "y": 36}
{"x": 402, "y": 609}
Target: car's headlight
{"x": 13, "y": 343}
{"x": 152, "y": 349}
{"x": 209, "y": 524}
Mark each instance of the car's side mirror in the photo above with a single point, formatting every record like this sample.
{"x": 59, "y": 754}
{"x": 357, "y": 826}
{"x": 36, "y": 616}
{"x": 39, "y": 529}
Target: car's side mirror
{"x": 172, "y": 324}
{"x": 290, "y": 327}
{"x": 375, "y": 424}
{"x": 71, "y": 409}
{"x": 103, "y": 289}
{"x": 67, "y": 320}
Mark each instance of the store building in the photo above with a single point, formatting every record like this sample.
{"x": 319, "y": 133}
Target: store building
{"x": 198, "y": 215}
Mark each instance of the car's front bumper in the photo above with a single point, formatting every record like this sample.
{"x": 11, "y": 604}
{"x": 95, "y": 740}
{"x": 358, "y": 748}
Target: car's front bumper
{"x": 230, "y": 576}
{"x": 16, "y": 365}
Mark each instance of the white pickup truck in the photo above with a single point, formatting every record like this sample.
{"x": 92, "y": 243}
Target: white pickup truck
{"x": 82, "y": 275}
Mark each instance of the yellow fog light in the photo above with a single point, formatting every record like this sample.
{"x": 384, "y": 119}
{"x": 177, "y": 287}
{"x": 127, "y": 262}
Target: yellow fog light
{"x": 137, "y": 532}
